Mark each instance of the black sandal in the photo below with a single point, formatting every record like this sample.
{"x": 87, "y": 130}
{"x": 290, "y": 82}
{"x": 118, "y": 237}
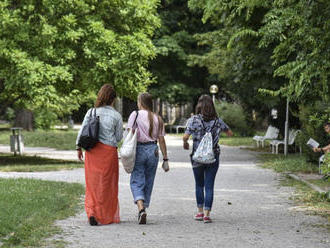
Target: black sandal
{"x": 142, "y": 219}
{"x": 92, "y": 221}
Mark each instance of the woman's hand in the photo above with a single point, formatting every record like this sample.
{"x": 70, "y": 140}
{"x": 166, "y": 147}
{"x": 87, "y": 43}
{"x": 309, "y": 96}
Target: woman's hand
{"x": 80, "y": 155}
{"x": 317, "y": 149}
{"x": 185, "y": 141}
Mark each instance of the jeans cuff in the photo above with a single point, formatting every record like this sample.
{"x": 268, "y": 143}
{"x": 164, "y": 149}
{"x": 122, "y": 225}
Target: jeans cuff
{"x": 207, "y": 208}
{"x": 137, "y": 198}
{"x": 200, "y": 205}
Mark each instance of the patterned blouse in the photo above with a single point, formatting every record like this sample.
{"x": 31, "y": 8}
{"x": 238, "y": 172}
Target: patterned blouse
{"x": 196, "y": 129}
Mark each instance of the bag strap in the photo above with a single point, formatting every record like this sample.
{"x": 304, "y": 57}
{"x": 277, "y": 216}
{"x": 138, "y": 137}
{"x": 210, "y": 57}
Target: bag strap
{"x": 137, "y": 113}
{"x": 91, "y": 112}
{"x": 215, "y": 122}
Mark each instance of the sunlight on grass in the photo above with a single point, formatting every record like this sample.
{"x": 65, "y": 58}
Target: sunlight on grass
{"x": 58, "y": 139}
{"x": 8, "y": 162}
{"x": 29, "y": 208}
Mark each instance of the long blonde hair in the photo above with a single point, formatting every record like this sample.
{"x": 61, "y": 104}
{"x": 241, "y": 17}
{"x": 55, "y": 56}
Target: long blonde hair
{"x": 145, "y": 99}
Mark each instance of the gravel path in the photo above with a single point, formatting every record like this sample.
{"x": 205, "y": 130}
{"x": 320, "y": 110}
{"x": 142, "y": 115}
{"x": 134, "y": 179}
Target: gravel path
{"x": 250, "y": 209}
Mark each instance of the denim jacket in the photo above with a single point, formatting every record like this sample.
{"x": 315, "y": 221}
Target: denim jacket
{"x": 111, "y": 125}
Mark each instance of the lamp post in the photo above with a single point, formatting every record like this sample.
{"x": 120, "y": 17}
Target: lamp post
{"x": 214, "y": 90}
{"x": 286, "y": 128}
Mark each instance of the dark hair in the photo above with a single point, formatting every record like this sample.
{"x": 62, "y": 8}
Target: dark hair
{"x": 206, "y": 108}
{"x": 105, "y": 96}
{"x": 326, "y": 124}
{"x": 145, "y": 99}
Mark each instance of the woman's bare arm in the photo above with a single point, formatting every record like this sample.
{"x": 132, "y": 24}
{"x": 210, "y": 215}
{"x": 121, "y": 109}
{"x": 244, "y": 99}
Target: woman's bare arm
{"x": 162, "y": 145}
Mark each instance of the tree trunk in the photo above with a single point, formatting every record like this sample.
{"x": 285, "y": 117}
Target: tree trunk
{"x": 24, "y": 118}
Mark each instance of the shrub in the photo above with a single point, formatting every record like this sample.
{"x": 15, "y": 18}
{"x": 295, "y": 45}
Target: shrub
{"x": 233, "y": 115}
{"x": 326, "y": 165}
{"x": 312, "y": 118}
{"x": 45, "y": 119}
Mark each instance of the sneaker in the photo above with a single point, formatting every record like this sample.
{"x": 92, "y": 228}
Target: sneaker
{"x": 207, "y": 219}
{"x": 199, "y": 216}
{"x": 92, "y": 221}
{"x": 142, "y": 217}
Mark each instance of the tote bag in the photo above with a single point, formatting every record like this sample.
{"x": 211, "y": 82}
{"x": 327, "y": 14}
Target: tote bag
{"x": 204, "y": 153}
{"x": 128, "y": 149}
{"x": 90, "y": 132}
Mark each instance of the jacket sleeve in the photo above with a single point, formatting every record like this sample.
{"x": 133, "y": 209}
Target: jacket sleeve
{"x": 119, "y": 129}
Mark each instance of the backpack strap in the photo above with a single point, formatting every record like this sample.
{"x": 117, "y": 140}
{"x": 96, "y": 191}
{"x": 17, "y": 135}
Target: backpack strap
{"x": 215, "y": 122}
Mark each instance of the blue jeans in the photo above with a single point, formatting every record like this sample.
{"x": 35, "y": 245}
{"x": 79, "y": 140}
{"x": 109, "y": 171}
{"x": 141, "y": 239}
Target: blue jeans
{"x": 204, "y": 178}
{"x": 144, "y": 172}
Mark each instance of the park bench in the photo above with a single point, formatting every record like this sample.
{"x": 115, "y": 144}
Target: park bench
{"x": 180, "y": 125}
{"x": 271, "y": 134}
{"x": 274, "y": 144}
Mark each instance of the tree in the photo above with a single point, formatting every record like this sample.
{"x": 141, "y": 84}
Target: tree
{"x": 234, "y": 56}
{"x": 178, "y": 82}
{"x": 53, "y": 54}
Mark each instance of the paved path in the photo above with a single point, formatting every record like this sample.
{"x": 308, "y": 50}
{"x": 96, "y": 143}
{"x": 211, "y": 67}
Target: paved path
{"x": 250, "y": 210}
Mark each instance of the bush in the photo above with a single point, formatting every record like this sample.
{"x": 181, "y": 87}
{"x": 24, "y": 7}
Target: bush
{"x": 234, "y": 116}
{"x": 10, "y": 114}
{"x": 326, "y": 165}
{"x": 45, "y": 119}
{"x": 312, "y": 118}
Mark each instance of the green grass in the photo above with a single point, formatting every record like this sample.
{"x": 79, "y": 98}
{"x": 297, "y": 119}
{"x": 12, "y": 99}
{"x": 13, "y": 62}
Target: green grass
{"x": 308, "y": 199}
{"x": 324, "y": 184}
{"x": 58, "y": 139}
{"x": 292, "y": 163}
{"x": 29, "y": 208}
{"x": 8, "y": 162}
{"x": 236, "y": 141}
{"x": 229, "y": 141}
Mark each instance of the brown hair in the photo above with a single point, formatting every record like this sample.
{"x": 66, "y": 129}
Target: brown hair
{"x": 105, "y": 96}
{"x": 145, "y": 99}
{"x": 206, "y": 108}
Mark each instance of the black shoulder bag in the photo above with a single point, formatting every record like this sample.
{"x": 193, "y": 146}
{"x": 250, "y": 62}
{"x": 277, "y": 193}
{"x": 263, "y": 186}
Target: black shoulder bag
{"x": 90, "y": 133}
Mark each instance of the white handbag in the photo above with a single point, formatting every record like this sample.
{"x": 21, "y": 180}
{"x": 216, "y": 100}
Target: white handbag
{"x": 128, "y": 149}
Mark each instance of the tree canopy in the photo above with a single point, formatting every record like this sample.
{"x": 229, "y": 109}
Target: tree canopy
{"x": 53, "y": 54}
{"x": 278, "y": 46}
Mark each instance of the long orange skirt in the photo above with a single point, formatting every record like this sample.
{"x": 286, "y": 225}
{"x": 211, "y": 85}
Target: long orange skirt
{"x": 101, "y": 175}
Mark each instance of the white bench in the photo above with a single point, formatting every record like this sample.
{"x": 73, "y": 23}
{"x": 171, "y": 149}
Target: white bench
{"x": 274, "y": 144}
{"x": 182, "y": 124}
{"x": 271, "y": 134}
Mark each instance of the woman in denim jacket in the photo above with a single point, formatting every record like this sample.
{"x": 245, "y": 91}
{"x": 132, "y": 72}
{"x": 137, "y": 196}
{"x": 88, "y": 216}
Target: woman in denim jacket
{"x": 101, "y": 162}
{"x": 150, "y": 128}
{"x": 206, "y": 119}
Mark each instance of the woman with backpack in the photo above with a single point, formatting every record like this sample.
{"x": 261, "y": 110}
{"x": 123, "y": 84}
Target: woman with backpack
{"x": 150, "y": 129}
{"x": 206, "y": 120}
{"x": 101, "y": 161}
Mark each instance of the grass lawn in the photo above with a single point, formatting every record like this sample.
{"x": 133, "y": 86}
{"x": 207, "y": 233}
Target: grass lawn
{"x": 58, "y": 139}
{"x": 29, "y": 208}
{"x": 8, "y": 162}
{"x": 229, "y": 141}
{"x": 308, "y": 199}
{"x": 236, "y": 141}
{"x": 305, "y": 197}
{"x": 292, "y": 163}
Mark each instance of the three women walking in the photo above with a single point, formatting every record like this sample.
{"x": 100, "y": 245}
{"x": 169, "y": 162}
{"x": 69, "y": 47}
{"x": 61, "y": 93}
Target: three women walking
{"x": 101, "y": 162}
